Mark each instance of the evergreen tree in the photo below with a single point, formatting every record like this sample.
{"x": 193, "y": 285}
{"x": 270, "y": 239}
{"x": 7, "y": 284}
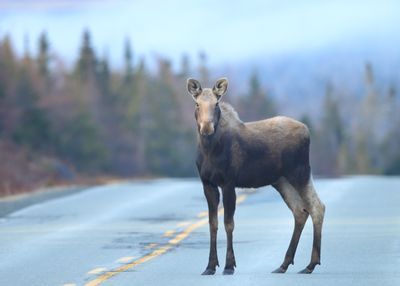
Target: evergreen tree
{"x": 331, "y": 119}
{"x": 86, "y": 64}
{"x": 390, "y": 146}
{"x": 128, "y": 59}
{"x": 43, "y": 58}
{"x": 165, "y": 133}
{"x": 367, "y": 129}
{"x": 256, "y": 104}
{"x": 204, "y": 72}
{"x": 331, "y": 135}
{"x": 8, "y": 76}
{"x": 81, "y": 145}
{"x": 33, "y": 128}
{"x": 88, "y": 88}
{"x": 140, "y": 117}
{"x": 104, "y": 80}
{"x": 8, "y": 67}
{"x": 185, "y": 67}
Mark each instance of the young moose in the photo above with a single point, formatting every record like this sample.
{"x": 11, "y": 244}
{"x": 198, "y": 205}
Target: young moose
{"x": 233, "y": 154}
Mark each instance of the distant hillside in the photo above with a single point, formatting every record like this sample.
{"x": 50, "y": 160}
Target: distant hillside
{"x": 299, "y": 81}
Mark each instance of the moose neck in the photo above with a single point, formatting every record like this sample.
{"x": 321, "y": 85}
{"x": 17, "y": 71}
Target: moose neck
{"x": 228, "y": 123}
{"x": 208, "y": 143}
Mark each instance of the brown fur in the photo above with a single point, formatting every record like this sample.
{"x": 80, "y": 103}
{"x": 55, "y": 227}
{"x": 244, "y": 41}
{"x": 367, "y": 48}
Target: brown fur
{"x": 232, "y": 154}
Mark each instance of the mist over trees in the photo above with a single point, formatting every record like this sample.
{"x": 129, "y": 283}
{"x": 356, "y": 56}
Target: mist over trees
{"x": 59, "y": 124}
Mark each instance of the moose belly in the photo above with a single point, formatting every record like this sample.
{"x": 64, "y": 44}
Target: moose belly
{"x": 256, "y": 174}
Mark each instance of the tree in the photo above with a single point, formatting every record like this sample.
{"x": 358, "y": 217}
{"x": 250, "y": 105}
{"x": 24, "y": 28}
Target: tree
{"x": 256, "y": 104}
{"x": 43, "y": 58}
{"x": 8, "y": 71}
{"x": 88, "y": 89}
{"x": 104, "y": 80}
{"x": 81, "y": 144}
{"x": 33, "y": 128}
{"x": 185, "y": 67}
{"x": 139, "y": 116}
{"x": 331, "y": 119}
{"x": 330, "y": 137}
{"x": 367, "y": 131}
{"x": 166, "y": 137}
{"x": 86, "y": 64}
{"x": 204, "y": 72}
{"x": 390, "y": 146}
{"x": 128, "y": 59}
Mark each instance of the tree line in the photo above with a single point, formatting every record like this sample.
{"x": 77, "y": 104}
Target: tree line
{"x": 57, "y": 123}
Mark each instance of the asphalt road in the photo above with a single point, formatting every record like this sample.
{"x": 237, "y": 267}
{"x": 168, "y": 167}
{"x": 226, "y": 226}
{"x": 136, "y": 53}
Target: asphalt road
{"x": 156, "y": 233}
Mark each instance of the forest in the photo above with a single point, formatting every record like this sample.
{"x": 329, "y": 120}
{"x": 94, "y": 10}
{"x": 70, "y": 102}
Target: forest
{"x": 68, "y": 124}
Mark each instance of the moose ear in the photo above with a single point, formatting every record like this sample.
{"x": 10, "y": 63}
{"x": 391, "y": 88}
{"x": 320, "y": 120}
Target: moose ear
{"x": 220, "y": 87}
{"x": 194, "y": 87}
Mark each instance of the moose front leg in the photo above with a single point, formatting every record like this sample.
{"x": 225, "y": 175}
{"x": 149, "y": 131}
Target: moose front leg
{"x": 229, "y": 200}
{"x": 212, "y": 196}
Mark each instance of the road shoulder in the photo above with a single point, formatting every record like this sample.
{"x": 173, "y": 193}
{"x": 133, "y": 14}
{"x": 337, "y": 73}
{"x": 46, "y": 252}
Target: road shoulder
{"x": 14, "y": 203}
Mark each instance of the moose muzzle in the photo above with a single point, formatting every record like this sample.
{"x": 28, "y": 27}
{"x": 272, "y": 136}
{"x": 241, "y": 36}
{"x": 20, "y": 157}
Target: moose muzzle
{"x": 207, "y": 128}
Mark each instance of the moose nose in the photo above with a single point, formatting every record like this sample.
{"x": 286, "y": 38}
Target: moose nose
{"x": 207, "y": 128}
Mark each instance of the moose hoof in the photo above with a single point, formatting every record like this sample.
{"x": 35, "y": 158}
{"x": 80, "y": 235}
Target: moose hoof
{"x": 305, "y": 271}
{"x": 279, "y": 270}
{"x": 228, "y": 271}
{"x": 208, "y": 272}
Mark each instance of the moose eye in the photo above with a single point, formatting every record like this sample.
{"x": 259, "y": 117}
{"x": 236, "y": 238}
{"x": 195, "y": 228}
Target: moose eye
{"x": 197, "y": 105}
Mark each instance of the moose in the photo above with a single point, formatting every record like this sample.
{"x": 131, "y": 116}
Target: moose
{"x": 232, "y": 153}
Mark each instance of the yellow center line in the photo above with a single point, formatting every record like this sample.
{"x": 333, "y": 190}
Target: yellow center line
{"x": 240, "y": 199}
{"x": 150, "y": 245}
{"x": 97, "y": 271}
{"x": 169, "y": 233}
{"x": 181, "y": 236}
{"x": 160, "y": 250}
{"x": 183, "y": 224}
{"x": 203, "y": 214}
{"x": 125, "y": 259}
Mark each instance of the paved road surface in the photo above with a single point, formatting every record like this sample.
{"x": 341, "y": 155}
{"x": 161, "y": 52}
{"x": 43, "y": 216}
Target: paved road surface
{"x": 156, "y": 233}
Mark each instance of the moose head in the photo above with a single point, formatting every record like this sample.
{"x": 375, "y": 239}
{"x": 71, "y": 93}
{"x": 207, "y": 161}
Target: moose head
{"x": 207, "y": 111}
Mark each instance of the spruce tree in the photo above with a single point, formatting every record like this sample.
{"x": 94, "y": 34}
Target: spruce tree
{"x": 256, "y": 104}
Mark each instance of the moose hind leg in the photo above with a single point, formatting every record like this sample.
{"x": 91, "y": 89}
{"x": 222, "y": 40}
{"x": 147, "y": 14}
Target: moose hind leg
{"x": 212, "y": 196}
{"x": 296, "y": 204}
{"x": 316, "y": 210}
{"x": 229, "y": 200}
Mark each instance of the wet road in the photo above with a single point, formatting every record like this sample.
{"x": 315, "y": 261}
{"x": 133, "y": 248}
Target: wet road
{"x": 156, "y": 233}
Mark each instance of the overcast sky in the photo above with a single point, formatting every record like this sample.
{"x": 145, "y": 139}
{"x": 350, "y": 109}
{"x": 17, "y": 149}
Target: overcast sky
{"x": 226, "y": 30}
